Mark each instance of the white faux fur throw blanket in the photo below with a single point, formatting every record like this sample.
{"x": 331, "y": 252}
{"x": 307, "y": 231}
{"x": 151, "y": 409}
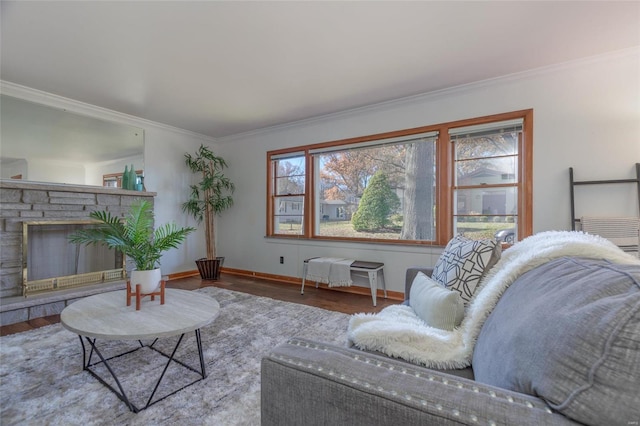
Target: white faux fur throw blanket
{"x": 398, "y": 332}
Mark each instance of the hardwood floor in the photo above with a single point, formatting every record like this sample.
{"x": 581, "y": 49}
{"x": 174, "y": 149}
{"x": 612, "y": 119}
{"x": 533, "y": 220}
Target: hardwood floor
{"x": 333, "y": 300}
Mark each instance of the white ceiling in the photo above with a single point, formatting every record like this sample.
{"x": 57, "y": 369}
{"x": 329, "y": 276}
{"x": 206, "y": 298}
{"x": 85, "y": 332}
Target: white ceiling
{"x": 222, "y": 68}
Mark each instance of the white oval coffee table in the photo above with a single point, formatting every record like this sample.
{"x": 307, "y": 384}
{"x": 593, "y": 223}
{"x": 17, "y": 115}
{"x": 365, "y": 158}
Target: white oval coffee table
{"x": 106, "y": 316}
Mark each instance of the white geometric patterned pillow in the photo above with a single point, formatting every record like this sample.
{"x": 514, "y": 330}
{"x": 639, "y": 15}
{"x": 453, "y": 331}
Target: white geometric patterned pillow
{"x": 464, "y": 262}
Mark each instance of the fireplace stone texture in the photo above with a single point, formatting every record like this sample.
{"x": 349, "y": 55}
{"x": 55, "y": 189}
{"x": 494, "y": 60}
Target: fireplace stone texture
{"x": 31, "y": 201}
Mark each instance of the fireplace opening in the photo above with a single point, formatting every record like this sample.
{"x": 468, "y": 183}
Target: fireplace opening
{"x": 51, "y": 262}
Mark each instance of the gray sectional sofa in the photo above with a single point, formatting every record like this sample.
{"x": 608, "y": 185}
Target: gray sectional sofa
{"x": 561, "y": 346}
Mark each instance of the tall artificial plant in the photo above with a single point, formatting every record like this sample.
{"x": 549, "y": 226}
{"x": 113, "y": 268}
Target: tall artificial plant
{"x": 211, "y": 195}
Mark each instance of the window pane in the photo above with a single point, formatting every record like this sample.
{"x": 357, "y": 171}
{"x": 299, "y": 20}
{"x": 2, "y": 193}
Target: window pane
{"x": 290, "y": 175}
{"x": 288, "y": 217}
{"x": 283, "y": 225}
{"x": 503, "y": 228}
{"x": 489, "y": 201}
{"x": 487, "y": 171}
{"x": 494, "y": 145}
{"x": 382, "y": 192}
{"x": 485, "y": 159}
{"x": 480, "y": 213}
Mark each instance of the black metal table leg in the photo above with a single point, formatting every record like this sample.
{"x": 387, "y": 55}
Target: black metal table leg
{"x": 199, "y": 343}
{"x": 120, "y": 393}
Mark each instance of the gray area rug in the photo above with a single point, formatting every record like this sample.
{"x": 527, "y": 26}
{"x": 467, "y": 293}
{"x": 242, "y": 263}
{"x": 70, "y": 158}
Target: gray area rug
{"x": 42, "y": 381}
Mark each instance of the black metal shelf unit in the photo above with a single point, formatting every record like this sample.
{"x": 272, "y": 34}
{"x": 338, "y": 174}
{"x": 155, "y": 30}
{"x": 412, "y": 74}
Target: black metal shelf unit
{"x": 573, "y": 183}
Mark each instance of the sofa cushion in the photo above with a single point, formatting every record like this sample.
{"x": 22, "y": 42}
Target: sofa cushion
{"x": 568, "y": 331}
{"x": 436, "y": 305}
{"x": 464, "y": 262}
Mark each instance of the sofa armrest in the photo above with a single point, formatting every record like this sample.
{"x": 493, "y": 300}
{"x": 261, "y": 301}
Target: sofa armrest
{"x": 312, "y": 383}
{"x": 410, "y": 276}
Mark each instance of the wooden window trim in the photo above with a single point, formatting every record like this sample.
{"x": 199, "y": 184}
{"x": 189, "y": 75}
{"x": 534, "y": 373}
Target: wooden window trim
{"x": 445, "y": 173}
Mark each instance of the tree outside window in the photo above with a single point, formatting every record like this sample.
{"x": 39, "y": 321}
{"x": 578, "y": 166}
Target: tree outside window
{"x": 386, "y": 190}
{"x": 416, "y": 186}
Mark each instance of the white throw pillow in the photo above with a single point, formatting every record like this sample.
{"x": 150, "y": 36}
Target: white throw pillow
{"x": 464, "y": 262}
{"x": 436, "y": 305}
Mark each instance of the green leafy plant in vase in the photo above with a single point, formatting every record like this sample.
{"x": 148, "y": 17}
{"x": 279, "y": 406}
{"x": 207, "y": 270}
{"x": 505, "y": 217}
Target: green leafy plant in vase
{"x": 209, "y": 197}
{"x": 135, "y": 236}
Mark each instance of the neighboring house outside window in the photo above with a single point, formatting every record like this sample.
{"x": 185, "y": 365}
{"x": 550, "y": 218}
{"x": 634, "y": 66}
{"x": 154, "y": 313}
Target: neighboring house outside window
{"x": 288, "y": 194}
{"x": 416, "y": 186}
{"x": 486, "y": 183}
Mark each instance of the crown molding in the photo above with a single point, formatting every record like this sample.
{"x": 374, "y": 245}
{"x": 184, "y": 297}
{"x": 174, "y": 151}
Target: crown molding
{"x": 438, "y": 94}
{"x": 45, "y": 98}
{"x": 49, "y": 99}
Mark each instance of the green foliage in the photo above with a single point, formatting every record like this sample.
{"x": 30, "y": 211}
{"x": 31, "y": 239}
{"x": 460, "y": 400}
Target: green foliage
{"x": 211, "y": 195}
{"x": 213, "y": 190}
{"x": 134, "y": 236}
{"x": 378, "y": 202}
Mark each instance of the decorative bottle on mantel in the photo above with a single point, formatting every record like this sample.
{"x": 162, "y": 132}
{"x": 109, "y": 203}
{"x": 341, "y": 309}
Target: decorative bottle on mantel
{"x": 125, "y": 178}
{"x": 132, "y": 178}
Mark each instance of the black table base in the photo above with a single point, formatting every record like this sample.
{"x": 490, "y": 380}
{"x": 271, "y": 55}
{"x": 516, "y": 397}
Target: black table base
{"x": 88, "y": 365}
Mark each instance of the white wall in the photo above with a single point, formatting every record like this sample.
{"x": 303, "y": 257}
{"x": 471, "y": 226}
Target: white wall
{"x": 586, "y": 116}
{"x": 11, "y": 168}
{"x": 43, "y": 170}
{"x": 167, "y": 174}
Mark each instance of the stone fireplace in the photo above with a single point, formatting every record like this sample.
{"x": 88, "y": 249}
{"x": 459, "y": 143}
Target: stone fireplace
{"x": 35, "y": 256}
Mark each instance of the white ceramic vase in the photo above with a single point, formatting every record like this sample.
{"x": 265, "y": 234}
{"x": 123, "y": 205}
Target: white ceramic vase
{"x": 149, "y": 280}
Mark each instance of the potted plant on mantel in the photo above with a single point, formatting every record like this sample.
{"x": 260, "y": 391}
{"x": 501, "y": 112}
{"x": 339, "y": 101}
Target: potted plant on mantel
{"x": 209, "y": 197}
{"x": 135, "y": 237}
